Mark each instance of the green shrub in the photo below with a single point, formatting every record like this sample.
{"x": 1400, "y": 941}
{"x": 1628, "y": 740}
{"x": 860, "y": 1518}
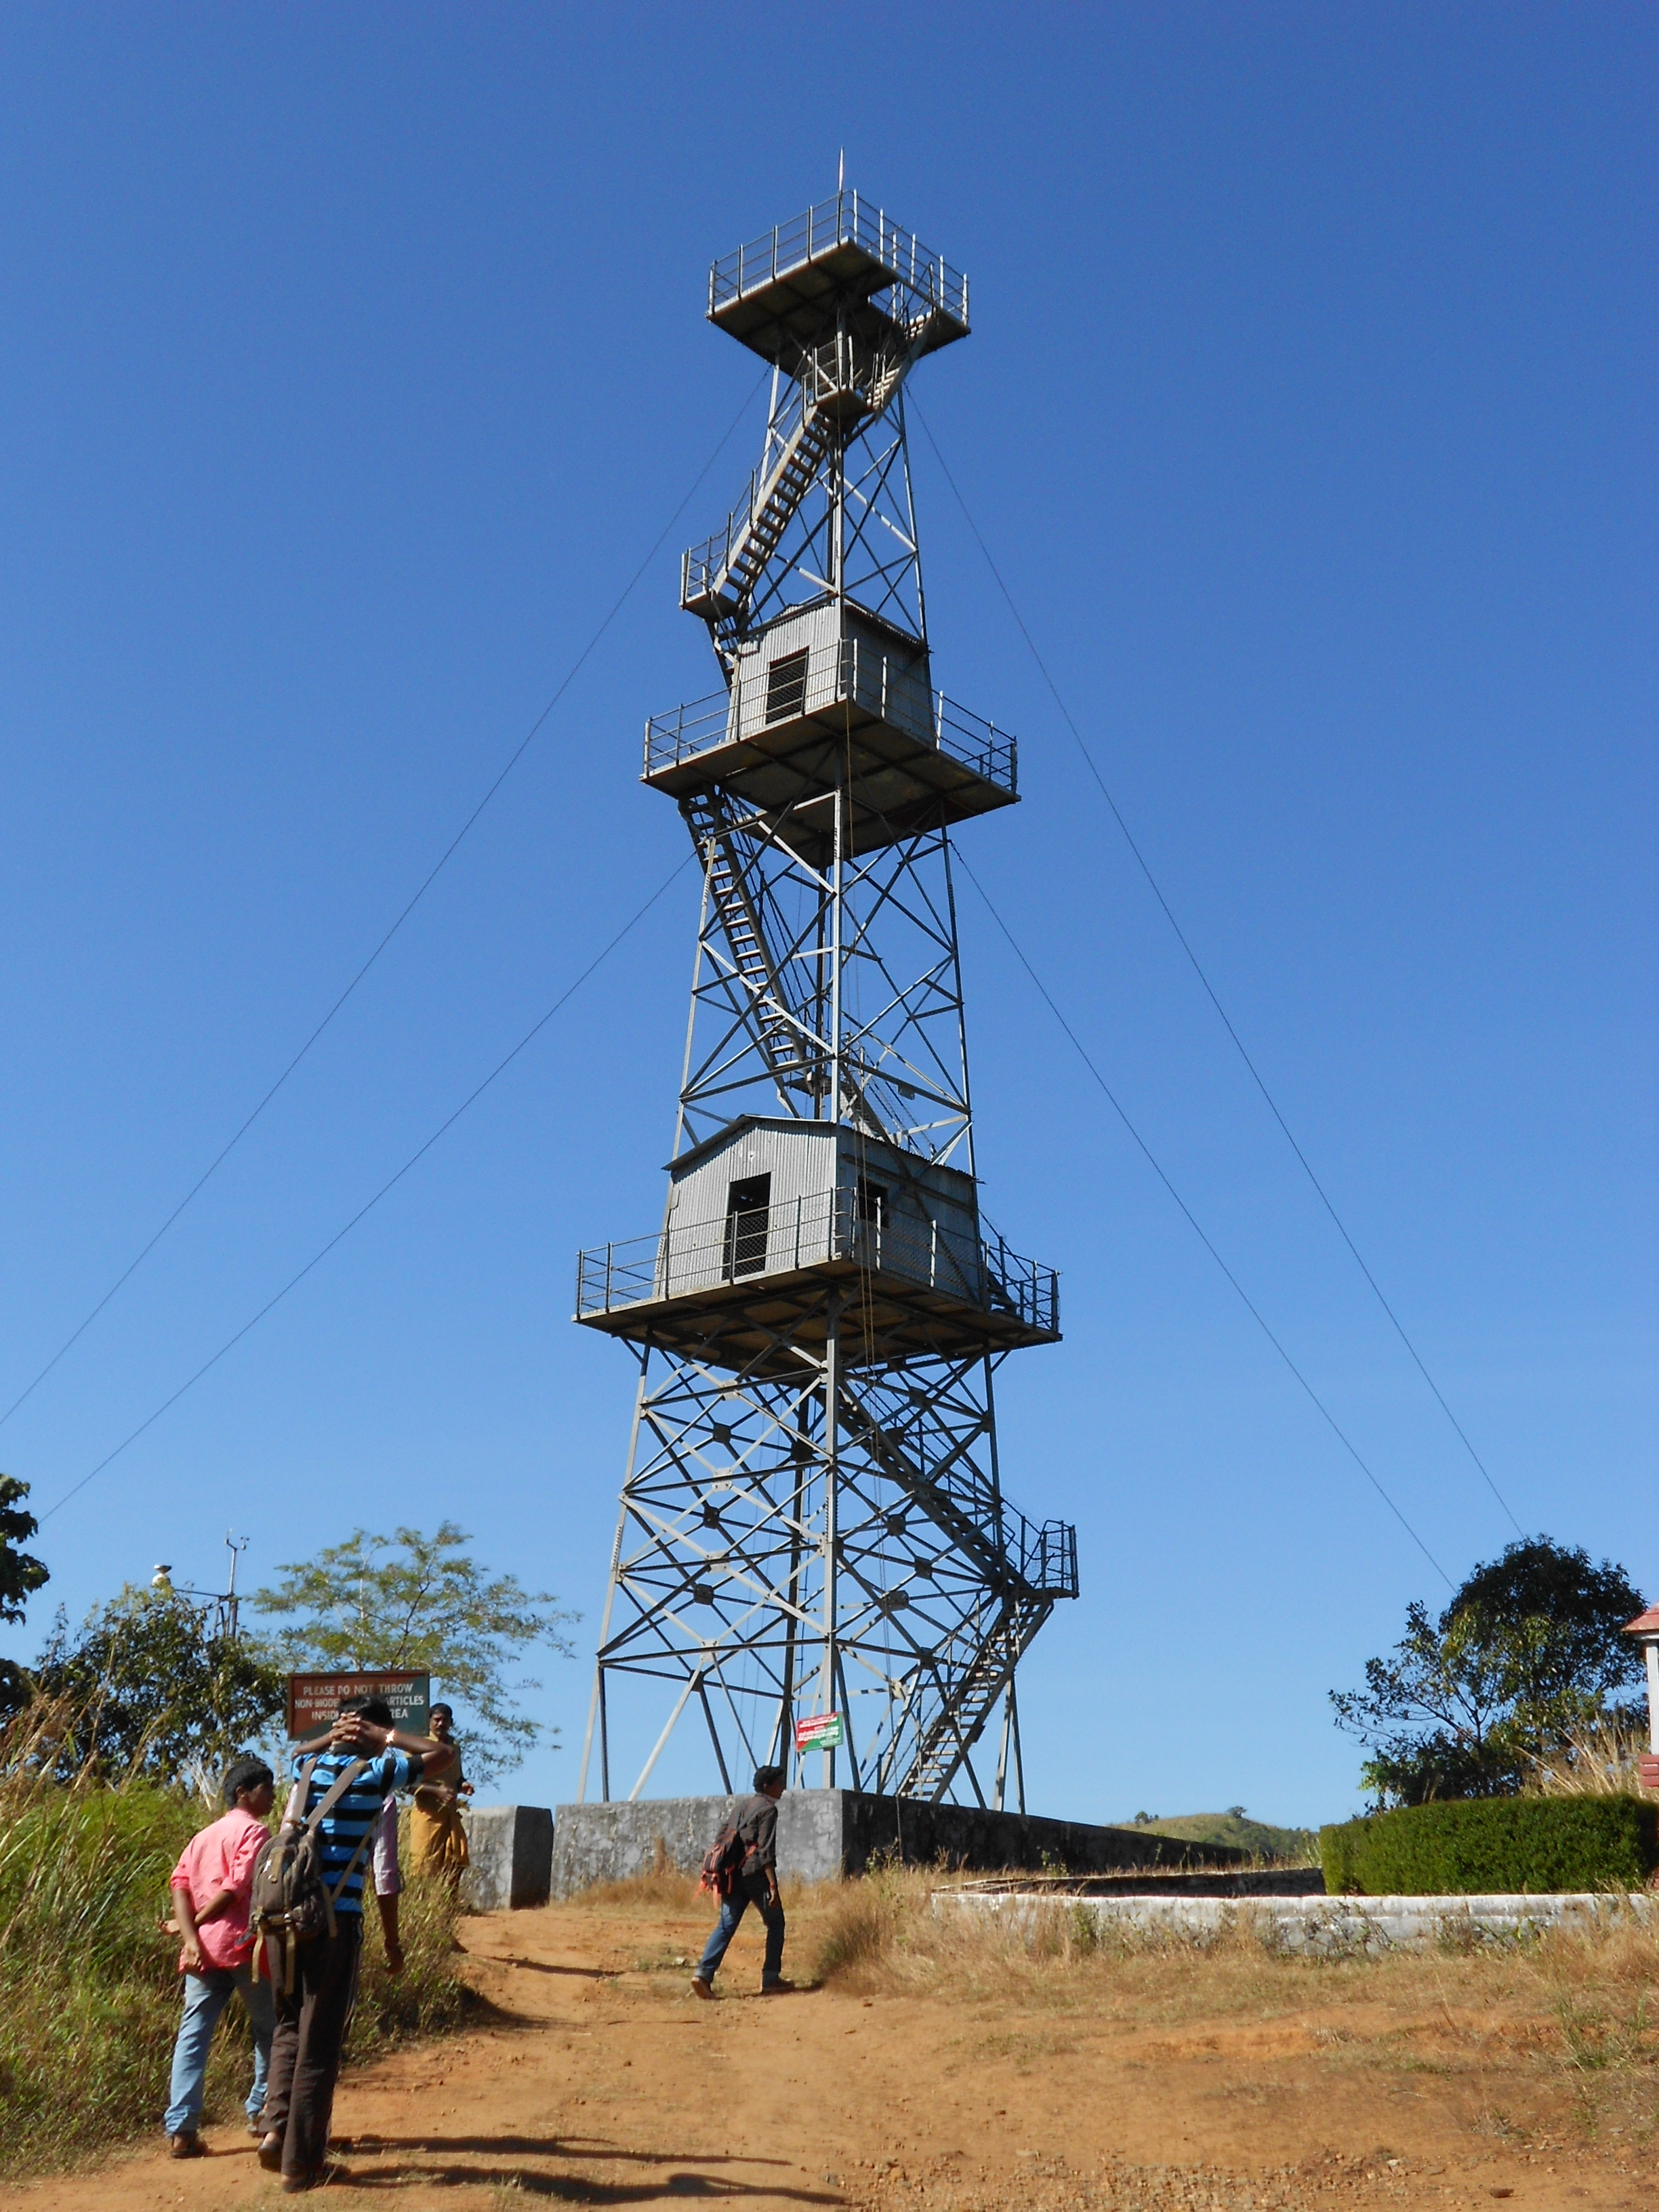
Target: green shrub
{"x": 1494, "y": 1845}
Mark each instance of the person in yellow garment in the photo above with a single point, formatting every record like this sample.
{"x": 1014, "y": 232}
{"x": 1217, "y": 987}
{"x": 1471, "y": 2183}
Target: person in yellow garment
{"x": 437, "y": 1839}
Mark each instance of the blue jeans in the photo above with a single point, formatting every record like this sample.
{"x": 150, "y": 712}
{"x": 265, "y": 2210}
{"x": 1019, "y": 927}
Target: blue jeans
{"x": 750, "y": 1890}
{"x": 206, "y": 1997}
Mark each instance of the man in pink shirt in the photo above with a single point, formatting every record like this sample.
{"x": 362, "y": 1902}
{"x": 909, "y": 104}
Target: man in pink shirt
{"x": 212, "y": 1887}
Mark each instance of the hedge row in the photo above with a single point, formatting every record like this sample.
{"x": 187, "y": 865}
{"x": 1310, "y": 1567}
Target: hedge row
{"x": 1494, "y": 1845}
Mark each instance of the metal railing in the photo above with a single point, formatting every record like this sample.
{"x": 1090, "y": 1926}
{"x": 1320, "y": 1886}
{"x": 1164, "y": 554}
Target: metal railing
{"x": 701, "y": 567}
{"x": 1046, "y": 1556}
{"x": 843, "y": 221}
{"x": 808, "y": 1232}
{"x": 851, "y": 672}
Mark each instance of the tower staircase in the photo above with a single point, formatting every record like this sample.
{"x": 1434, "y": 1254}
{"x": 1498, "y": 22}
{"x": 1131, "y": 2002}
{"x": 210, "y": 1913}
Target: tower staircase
{"x": 960, "y": 1719}
{"x": 719, "y": 593}
{"x": 782, "y": 1027}
{"x": 839, "y": 382}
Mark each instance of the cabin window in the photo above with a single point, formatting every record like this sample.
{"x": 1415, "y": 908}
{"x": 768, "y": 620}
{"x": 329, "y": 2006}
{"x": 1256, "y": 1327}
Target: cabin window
{"x": 748, "y": 1212}
{"x": 786, "y": 687}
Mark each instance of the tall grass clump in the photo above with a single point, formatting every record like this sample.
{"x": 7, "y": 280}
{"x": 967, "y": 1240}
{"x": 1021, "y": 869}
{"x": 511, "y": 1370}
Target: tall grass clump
{"x": 88, "y": 1994}
{"x": 428, "y": 1997}
{"x": 1596, "y": 1761}
{"x": 868, "y": 1920}
{"x": 89, "y": 1989}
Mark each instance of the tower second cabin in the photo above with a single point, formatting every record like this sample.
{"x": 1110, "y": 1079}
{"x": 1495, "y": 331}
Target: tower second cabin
{"x": 772, "y": 1197}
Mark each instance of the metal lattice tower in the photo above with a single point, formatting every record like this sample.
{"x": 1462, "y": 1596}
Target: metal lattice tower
{"x": 813, "y": 1520}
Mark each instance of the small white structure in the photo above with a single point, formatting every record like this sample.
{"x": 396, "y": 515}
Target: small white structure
{"x": 769, "y": 1196}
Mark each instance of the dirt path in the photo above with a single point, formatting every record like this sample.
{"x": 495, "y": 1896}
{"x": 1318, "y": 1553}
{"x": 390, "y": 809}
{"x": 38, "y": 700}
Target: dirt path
{"x": 604, "y": 2083}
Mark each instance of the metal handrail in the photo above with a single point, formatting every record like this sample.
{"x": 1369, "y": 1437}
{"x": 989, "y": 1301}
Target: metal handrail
{"x": 1046, "y": 1556}
{"x": 685, "y": 1259}
{"x": 845, "y": 220}
{"x": 848, "y": 671}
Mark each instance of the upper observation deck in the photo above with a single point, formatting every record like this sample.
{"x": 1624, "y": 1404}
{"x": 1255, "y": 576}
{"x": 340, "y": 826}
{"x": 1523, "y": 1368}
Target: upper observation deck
{"x": 842, "y": 260}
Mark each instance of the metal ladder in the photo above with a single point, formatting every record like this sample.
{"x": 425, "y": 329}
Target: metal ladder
{"x": 777, "y": 1023}
{"x": 952, "y": 1733}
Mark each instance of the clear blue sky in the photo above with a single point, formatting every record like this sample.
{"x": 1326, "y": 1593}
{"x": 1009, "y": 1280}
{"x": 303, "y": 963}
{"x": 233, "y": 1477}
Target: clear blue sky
{"x": 353, "y": 360}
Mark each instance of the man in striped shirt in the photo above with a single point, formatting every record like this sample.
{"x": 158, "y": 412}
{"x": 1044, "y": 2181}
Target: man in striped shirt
{"x": 311, "y": 2019}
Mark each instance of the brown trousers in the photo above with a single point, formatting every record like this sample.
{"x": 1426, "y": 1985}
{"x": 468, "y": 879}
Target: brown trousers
{"x": 305, "y": 2051}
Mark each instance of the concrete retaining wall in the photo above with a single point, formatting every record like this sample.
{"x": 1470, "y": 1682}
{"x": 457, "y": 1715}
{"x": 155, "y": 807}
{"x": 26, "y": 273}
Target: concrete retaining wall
{"x": 825, "y": 1832}
{"x": 510, "y": 1857}
{"x": 1327, "y": 1926}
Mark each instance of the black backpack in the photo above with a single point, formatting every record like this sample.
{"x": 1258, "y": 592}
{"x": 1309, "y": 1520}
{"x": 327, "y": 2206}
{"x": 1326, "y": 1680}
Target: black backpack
{"x": 292, "y": 1903}
{"x": 723, "y": 1861}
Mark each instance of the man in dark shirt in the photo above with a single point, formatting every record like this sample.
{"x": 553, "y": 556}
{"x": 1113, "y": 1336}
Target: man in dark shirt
{"x": 756, "y": 1885}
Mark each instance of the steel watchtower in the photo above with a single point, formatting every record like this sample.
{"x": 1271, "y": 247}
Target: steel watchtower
{"x": 813, "y": 1542}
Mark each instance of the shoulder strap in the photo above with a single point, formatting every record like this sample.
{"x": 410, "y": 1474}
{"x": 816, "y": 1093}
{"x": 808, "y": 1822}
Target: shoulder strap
{"x": 358, "y": 1766}
{"x": 294, "y": 1811}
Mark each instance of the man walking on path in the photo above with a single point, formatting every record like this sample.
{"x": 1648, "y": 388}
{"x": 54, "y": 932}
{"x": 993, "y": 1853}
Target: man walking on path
{"x": 212, "y": 1886}
{"x": 756, "y": 1884}
{"x": 311, "y": 2018}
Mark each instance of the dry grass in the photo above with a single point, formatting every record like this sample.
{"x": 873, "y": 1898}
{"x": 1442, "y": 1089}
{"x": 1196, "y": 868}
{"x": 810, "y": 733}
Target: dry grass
{"x": 663, "y": 1888}
{"x": 1584, "y": 2004}
{"x": 1597, "y": 1762}
{"x": 89, "y": 1991}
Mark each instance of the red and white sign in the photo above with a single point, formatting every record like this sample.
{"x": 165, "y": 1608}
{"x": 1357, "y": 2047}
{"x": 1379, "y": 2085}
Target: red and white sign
{"x": 819, "y": 1732}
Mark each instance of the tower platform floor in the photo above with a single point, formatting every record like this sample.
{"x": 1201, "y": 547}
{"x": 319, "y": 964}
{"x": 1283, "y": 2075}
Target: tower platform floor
{"x": 777, "y": 293}
{"x": 910, "y": 763}
{"x": 753, "y": 1323}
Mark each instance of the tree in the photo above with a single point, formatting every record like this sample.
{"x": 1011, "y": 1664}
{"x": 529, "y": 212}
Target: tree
{"x": 1528, "y": 1651}
{"x": 20, "y": 1575}
{"x": 417, "y": 1602}
{"x": 1587, "y": 1655}
{"x": 151, "y": 1688}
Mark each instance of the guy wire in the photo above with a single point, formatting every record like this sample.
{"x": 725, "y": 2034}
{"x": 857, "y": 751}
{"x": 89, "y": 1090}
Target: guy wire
{"x": 1152, "y": 1161}
{"x": 391, "y": 1183}
{"x": 1209, "y": 988}
{"x": 422, "y": 889}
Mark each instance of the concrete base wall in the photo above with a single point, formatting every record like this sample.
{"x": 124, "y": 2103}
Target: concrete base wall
{"x": 1318, "y": 1926}
{"x": 822, "y": 1833}
{"x": 510, "y": 1854}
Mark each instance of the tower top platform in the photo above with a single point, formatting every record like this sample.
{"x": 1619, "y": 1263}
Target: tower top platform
{"x": 843, "y": 257}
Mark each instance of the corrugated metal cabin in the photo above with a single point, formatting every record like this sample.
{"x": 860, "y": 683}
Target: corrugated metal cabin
{"x": 768, "y": 1196}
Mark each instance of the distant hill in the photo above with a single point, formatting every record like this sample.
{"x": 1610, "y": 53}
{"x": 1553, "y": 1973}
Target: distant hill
{"x": 1299, "y": 1846}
